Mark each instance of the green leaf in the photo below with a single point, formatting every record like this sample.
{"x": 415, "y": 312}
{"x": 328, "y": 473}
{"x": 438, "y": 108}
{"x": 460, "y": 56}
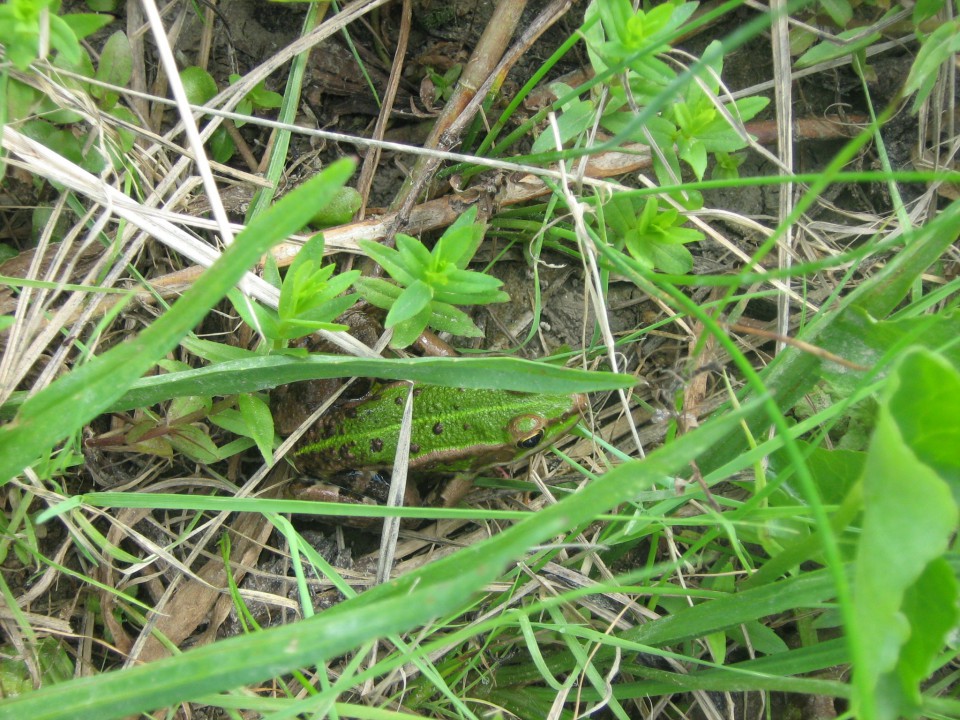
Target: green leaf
{"x": 266, "y": 99}
{"x": 923, "y": 408}
{"x": 261, "y": 319}
{"x": 389, "y": 259}
{"x": 930, "y": 606}
{"x": 831, "y": 51}
{"x": 259, "y": 423}
{"x": 412, "y": 302}
{"x": 222, "y": 147}
{"x": 861, "y": 339}
{"x": 406, "y": 332}
{"x": 115, "y": 68}
{"x": 577, "y": 118}
{"x": 377, "y": 291}
{"x": 268, "y": 371}
{"x": 464, "y": 284}
{"x": 126, "y": 138}
{"x": 447, "y": 318}
{"x": 198, "y": 84}
{"x": 460, "y": 242}
{"x": 414, "y": 255}
{"x": 937, "y": 49}
{"x": 193, "y": 442}
{"x": 182, "y": 406}
{"x": 63, "y": 36}
{"x": 839, "y": 11}
{"x": 834, "y": 471}
{"x": 909, "y": 517}
{"x": 310, "y": 254}
{"x": 675, "y": 259}
{"x": 694, "y": 153}
{"x": 230, "y": 420}
{"x": 82, "y": 25}
{"x": 926, "y": 9}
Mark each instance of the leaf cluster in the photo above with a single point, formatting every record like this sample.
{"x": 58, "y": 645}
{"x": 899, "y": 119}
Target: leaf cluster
{"x": 654, "y": 237}
{"x": 429, "y": 283}
{"x": 41, "y": 117}
{"x": 311, "y": 297}
{"x": 22, "y": 22}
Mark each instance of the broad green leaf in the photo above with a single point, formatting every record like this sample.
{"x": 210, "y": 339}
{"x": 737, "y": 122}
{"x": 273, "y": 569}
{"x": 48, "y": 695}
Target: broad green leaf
{"x": 924, "y": 409}
{"x": 82, "y": 25}
{"x": 909, "y": 517}
{"x": 115, "y": 68}
{"x": 198, "y": 84}
{"x": 264, "y": 372}
{"x": 930, "y": 606}
{"x": 413, "y": 301}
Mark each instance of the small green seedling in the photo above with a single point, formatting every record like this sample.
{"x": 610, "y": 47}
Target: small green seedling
{"x": 257, "y": 99}
{"x": 443, "y": 85}
{"x": 311, "y": 298}
{"x": 654, "y": 237}
{"x": 429, "y": 283}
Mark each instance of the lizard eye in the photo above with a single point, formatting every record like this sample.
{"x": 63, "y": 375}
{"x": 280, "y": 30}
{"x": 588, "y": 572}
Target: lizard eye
{"x": 532, "y": 441}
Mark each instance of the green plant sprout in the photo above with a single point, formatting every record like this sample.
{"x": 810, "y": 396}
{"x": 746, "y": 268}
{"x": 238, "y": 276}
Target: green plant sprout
{"x": 311, "y": 297}
{"x": 443, "y": 85}
{"x": 257, "y": 99}
{"x": 429, "y": 283}
{"x": 654, "y": 237}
